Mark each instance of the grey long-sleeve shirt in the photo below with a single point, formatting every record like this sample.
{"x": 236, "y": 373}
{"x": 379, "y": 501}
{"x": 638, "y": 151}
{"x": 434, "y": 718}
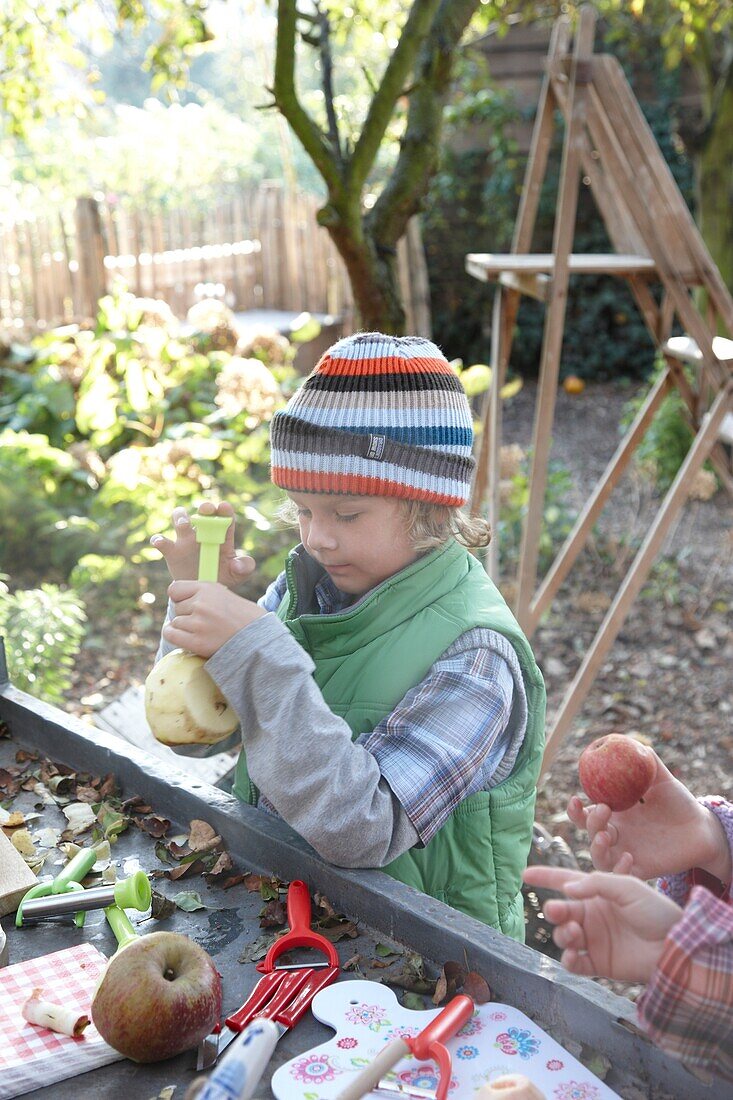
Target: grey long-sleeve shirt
{"x": 362, "y": 803}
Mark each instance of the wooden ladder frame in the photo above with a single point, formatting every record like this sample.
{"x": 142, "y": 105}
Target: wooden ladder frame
{"x": 607, "y": 141}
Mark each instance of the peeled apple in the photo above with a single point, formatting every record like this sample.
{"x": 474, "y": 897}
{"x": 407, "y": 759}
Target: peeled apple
{"x": 183, "y": 705}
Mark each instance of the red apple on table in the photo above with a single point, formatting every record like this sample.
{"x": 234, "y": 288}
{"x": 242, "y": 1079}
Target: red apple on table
{"x": 617, "y": 770}
{"x": 159, "y": 996}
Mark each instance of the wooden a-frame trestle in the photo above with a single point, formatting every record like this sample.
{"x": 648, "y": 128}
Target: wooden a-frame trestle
{"x": 608, "y": 142}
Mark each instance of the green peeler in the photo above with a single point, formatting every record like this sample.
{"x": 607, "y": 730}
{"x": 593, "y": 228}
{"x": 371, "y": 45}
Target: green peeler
{"x": 211, "y": 532}
{"x": 67, "y": 880}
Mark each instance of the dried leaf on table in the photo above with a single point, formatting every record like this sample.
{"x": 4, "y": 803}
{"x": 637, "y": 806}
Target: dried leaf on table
{"x": 202, "y": 838}
{"x": 136, "y": 805}
{"x": 189, "y": 901}
{"x": 223, "y": 864}
{"x": 161, "y": 907}
{"x": 257, "y": 950}
{"x": 352, "y": 963}
{"x": 22, "y": 755}
{"x": 412, "y": 976}
{"x": 112, "y": 821}
{"x": 162, "y": 853}
{"x": 86, "y": 794}
{"x": 413, "y": 1001}
{"x": 441, "y": 989}
{"x": 233, "y": 880}
{"x": 178, "y": 851}
{"x": 108, "y": 786}
{"x": 267, "y": 885}
{"x": 153, "y": 825}
{"x": 383, "y": 950}
{"x": 273, "y": 914}
{"x": 477, "y": 988}
{"x": 338, "y": 932}
{"x": 9, "y": 783}
{"x": 184, "y": 870}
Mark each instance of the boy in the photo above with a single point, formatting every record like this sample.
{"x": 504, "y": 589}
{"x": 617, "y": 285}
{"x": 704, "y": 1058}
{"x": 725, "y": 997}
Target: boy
{"x": 391, "y": 709}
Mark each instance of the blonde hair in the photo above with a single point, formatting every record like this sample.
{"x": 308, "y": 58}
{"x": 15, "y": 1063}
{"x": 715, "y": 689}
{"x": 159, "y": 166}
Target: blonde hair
{"x": 428, "y": 525}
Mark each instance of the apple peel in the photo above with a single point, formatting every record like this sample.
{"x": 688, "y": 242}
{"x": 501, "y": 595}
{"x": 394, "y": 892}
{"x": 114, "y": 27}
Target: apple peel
{"x": 60, "y": 1018}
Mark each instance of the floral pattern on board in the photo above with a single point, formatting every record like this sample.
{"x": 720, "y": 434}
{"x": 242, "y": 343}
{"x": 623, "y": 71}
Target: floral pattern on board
{"x": 517, "y": 1040}
{"x": 555, "y": 1063}
{"x": 401, "y": 1033}
{"x": 467, "y": 1052}
{"x": 372, "y": 1016}
{"x": 576, "y": 1090}
{"x": 497, "y": 1015}
{"x": 314, "y": 1070}
{"x": 424, "y": 1077}
{"x": 347, "y": 1043}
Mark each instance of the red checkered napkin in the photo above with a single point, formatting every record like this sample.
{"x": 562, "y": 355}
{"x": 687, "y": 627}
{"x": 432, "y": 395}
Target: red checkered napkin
{"x": 32, "y": 1057}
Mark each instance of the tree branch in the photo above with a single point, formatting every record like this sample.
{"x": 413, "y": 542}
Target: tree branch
{"x": 310, "y": 135}
{"x": 420, "y": 147}
{"x": 324, "y": 46}
{"x": 393, "y": 81}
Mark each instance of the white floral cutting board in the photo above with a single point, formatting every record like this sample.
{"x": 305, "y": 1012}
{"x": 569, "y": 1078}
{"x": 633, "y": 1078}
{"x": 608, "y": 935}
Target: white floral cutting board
{"x": 498, "y": 1039}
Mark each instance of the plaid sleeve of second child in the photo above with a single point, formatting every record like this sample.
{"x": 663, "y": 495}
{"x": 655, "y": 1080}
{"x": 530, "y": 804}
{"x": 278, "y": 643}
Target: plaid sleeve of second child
{"x": 687, "y": 1007}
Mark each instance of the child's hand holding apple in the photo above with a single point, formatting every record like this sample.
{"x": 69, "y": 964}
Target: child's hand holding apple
{"x": 666, "y": 832}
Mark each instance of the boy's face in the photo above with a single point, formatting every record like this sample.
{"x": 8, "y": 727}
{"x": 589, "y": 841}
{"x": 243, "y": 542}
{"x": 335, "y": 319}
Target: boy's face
{"x": 359, "y": 541}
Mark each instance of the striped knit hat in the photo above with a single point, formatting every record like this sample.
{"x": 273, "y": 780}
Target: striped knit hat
{"x": 379, "y": 416}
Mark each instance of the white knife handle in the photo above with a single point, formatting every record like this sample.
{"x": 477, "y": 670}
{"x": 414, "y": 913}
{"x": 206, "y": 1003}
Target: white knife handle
{"x": 365, "y": 1081}
{"x": 238, "y": 1072}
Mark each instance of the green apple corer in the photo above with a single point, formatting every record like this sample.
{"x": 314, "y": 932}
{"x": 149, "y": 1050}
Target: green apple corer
{"x": 183, "y": 705}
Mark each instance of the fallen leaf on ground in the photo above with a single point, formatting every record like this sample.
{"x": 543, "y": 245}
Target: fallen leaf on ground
{"x": 273, "y": 914}
{"x": 189, "y": 901}
{"x": 223, "y": 864}
{"x": 161, "y": 906}
{"x": 80, "y": 817}
{"x": 257, "y": 950}
{"x": 202, "y": 838}
{"x": 153, "y": 825}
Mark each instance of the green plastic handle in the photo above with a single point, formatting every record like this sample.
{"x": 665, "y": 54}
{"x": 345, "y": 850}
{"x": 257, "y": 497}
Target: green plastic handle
{"x": 134, "y": 892}
{"x": 210, "y": 534}
{"x": 74, "y": 871}
{"x": 119, "y": 922}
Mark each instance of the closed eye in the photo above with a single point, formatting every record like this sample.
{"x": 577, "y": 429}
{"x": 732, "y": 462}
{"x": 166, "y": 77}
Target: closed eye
{"x": 348, "y": 517}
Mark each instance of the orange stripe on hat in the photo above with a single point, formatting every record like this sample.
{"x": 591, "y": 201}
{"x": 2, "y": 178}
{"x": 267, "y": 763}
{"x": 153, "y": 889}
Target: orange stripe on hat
{"x": 307, "y": 481}
{"x": 384, "y": 365}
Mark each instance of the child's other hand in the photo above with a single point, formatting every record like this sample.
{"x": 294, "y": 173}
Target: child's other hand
{"x": 206, "y": 616}
{"x": 182, "y": 552}
{"x": 667, "y": 833}
{"x": 611, "y": 926}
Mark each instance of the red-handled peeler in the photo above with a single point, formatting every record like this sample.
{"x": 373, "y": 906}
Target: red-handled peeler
{"x": 430, "y": 1043}
{"x": 284, "y": 993}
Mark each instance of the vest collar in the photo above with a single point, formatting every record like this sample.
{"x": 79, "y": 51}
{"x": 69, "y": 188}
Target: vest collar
{"x": 391, "y": 603}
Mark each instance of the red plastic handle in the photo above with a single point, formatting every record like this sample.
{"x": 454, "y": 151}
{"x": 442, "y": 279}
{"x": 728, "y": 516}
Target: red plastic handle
{"x": 301, "y": 933}
{"x": 260, "y": 996}
{"x": 316, "y": 981}
{"x": 445, "y": 1025}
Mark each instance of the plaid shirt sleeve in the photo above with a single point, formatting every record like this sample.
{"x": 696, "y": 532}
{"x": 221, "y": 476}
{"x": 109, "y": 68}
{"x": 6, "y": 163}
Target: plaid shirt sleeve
{"x": 455, "y": 733}
{"x": 274, "y": 594}
{"x": 687, "y": 1007}
{"x": 678, "y": 887}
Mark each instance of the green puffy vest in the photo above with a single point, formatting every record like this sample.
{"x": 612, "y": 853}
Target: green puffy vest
{"x": 368, "y": 657}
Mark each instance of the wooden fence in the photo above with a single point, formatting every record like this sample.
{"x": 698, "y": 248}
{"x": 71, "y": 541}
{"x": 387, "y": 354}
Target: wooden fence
{"x": 263, "y": 246}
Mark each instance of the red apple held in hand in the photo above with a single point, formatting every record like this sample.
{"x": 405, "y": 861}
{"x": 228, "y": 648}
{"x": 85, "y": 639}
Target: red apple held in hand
{"x": 617, "y": 770}
{"x": 159, "y": 996}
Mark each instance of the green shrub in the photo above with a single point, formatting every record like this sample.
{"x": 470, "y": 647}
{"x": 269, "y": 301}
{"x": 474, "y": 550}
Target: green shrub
{"x": 557, "y": 520}
{"x": 667, "y": 439}
{"x": 43, "y": 630}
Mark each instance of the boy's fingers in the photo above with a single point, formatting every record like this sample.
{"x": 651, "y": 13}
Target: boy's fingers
{"x": 618, "y": 888}
{"x": 577, "y": 963}
{"x": 555, "y": 878}
{"x": 243, "y": 564}
{"x": 183, "y": 590}
{"x": 161, "y": 543}
{"x": 577, "y": 812}
{"x": 624, "y": 865}
{"x": 570, "y": 935}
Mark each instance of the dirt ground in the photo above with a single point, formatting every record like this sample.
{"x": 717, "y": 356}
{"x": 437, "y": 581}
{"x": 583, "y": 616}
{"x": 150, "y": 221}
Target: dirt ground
{"x": 668, "y": 674}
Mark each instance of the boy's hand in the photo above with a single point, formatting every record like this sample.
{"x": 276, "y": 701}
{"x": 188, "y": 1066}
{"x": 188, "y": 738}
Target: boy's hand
{"x": 206, "y": 616}
{"x": 611, "y": 925}
{"x": 667, "y": 833}
{"x": 182, "y": 552}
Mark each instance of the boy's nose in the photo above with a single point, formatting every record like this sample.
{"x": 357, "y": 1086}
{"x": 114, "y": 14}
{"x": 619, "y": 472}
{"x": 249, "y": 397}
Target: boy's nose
{"x": 321, "y": 537}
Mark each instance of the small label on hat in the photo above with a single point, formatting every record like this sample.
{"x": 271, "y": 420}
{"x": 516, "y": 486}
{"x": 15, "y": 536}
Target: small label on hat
{"x": 376, "y": 446}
